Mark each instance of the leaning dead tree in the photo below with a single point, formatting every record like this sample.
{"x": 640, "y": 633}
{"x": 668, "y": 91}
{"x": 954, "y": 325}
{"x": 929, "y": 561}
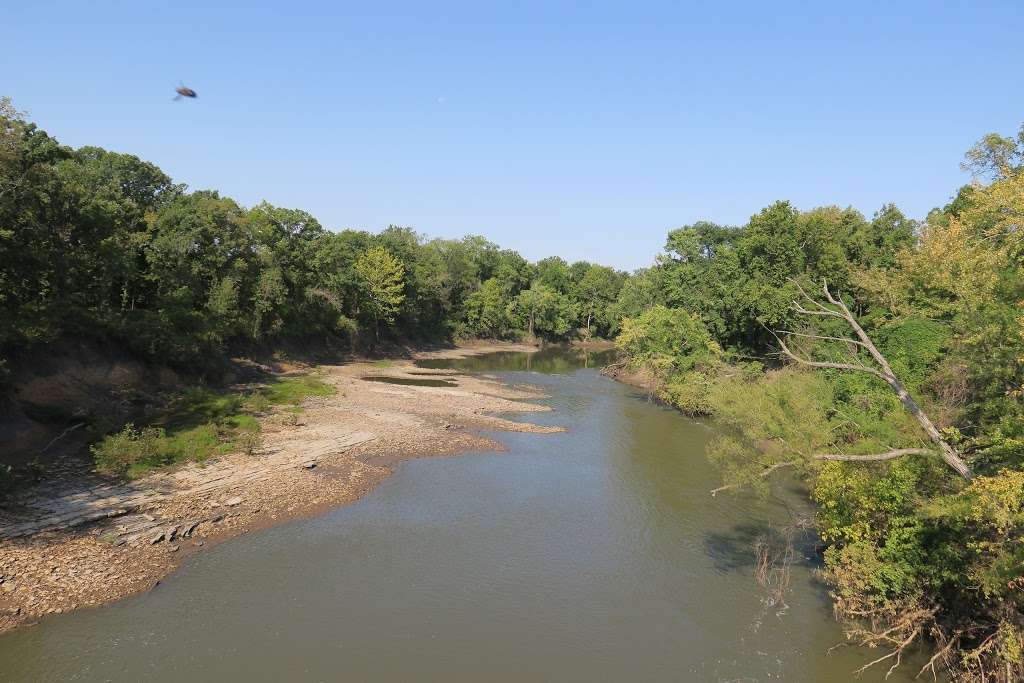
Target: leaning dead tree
{"x": 833, "y": 307}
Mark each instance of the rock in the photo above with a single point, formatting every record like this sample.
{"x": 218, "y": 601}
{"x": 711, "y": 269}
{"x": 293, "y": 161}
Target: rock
{"x": 172, "y": 533}
{"x": 232, "y": 502}
{"x": 157, "y": 538}
{"x": 214, "y": 520}
{"x": 151, "y": 518}
{"x": 200, "y": 542}
{"x": 309, "y": 465}
{"x": 173, "y": 548}
{"x": 190, "y": 527}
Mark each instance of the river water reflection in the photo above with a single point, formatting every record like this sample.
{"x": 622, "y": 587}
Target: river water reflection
{"x": 591, "y": 555}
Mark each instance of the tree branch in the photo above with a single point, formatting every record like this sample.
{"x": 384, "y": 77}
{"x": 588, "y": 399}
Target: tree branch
{"x": 800, "y": 309}
{"x": 819, "y": 336}
{"x": 763, "y": 473}
{"x": 890, "y": 455}
{"x": 825, "y": 364}
{"x": 62, "y": 435}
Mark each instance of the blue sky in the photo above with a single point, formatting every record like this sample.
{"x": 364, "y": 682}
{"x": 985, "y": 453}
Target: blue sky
{"x": 581, "y": 129}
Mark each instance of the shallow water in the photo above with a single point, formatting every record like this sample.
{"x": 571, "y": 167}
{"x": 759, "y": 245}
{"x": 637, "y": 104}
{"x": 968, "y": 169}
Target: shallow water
{"x": 591, "y": 555}
{"x": 409, "y": 381}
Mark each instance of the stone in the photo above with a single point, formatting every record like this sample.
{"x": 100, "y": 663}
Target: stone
{"x": 157, "y": 538}
{"x": 173, "y": 548}
{"x": 232, "y": 502}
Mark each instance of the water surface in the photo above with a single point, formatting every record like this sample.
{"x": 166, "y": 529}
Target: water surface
{"x": 591, "y": 555}
{"x": 409, "y": 381}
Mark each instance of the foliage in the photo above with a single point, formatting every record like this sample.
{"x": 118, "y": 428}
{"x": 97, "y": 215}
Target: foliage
{"x": 105, "y": 246}
{"x": 667, "y": 340}
{"x": 912, "y": 549}
{"x": 199, "y": 424}
{"x": 381, "y": 277}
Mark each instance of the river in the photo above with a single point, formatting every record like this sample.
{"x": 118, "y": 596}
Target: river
{"x": 590, "y": 555}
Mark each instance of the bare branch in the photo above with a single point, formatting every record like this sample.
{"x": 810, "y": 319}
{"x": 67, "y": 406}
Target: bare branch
{"x": 890, "y": 455}
{"x": 815, "y": 302}
{"x": 763, "y": 473}
{"x": 941, "y": 654}
{"x": 825, "y": 364}
{"x": 62, "y": 435}
{"x": 800, "y": 309}
{"x": 823, "y": 337}
{"x": 897, "y": 653}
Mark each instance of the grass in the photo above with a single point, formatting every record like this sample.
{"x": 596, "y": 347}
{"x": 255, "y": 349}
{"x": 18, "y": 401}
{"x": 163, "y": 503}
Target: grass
{"x": 200, "y": 424}
{"x": 294, "y": 390}
{"x": 383, "y": 364}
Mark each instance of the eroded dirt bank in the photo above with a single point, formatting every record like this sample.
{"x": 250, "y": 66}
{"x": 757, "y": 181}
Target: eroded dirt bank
{"x": 73, "y": 544}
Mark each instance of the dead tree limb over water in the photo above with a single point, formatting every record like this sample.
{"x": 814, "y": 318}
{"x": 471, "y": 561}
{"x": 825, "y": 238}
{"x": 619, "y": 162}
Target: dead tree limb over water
{"x": 836, "y": 308}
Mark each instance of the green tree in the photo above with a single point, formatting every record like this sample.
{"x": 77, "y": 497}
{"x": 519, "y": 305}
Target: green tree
{"x": 596, "y": 290}
{"x": 381, "y": 276}
{"x": 487, "y": 310}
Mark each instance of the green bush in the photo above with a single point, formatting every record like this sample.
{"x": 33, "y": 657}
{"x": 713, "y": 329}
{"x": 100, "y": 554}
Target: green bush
{"x": 666, "y": 340}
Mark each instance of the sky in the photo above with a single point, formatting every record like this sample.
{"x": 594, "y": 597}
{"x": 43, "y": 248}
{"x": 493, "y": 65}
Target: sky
{"x": 582, "y": 129}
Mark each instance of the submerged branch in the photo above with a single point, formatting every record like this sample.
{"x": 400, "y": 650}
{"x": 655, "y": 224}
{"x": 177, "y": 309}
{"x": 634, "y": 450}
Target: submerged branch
{"x": 763, "y": 473}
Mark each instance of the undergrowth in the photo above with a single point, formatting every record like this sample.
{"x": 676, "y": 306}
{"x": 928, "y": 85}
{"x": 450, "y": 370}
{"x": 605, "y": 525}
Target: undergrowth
{"x": 202, "y": 423}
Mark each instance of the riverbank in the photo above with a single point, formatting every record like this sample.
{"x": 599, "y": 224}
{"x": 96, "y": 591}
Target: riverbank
{"x": 70, "y": 545}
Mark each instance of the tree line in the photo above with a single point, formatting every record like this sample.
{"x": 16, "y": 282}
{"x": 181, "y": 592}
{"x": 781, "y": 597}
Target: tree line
{"x": 882, "y": 361}
{"x": 102, "y": 245}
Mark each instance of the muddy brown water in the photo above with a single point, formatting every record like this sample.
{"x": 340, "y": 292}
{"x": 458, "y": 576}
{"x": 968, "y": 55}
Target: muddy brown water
{"x": 591, "y": 555}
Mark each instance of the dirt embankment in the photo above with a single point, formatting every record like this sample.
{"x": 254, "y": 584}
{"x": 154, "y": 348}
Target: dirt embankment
{"x": 641, "y": 378}
{"x": 76, "y": 543}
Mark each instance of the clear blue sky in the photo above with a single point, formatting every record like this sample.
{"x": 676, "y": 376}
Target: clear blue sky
{"x": 580, "y": 129}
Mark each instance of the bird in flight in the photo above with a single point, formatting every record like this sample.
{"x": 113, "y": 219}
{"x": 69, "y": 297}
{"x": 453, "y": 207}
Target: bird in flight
{"x": 184, "y": 92}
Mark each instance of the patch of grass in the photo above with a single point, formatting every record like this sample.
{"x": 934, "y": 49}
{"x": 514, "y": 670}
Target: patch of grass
{"x": 383, "y": 364}
{"x": 293, "y": 390}
{"x": 202, "y": 423}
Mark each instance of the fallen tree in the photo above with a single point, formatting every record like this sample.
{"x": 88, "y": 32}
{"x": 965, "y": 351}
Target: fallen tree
{"x": 836, "y": 308}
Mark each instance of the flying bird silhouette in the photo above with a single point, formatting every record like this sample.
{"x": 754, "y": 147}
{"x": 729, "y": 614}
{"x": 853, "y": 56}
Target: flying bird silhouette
{"x": 184, "y": 92}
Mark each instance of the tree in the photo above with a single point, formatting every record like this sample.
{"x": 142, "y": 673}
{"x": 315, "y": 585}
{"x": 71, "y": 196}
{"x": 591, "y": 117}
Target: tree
{"x": 545, "y": 312}
{"x": 995, "y": 155}
{"x": 383, "y": 286}
{"x": 596, "y": 290}
{"x": 837, "y": 308}
{"x": 553, "y": 272}
{"x": 667, "y": 340}
{"x": 487, "y": 310}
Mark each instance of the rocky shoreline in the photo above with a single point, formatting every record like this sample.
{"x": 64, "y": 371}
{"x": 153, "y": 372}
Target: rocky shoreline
{"x": 69, "y": 546}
